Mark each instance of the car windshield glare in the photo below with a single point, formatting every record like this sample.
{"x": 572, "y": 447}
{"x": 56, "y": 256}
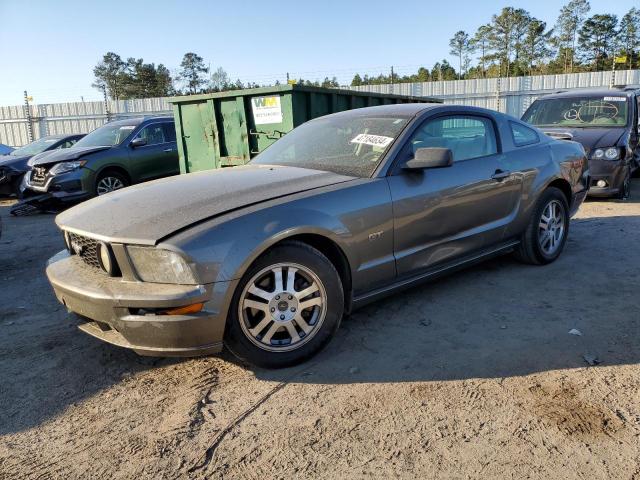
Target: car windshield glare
{"x": 601, "y": 111}
{"x": 106, "y": 136}
{"x": 344, "y": 144}
{"x": 33, "y": 148}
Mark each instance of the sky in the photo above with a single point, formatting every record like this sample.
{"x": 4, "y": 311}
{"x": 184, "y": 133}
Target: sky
{"x": 50, "y": 47}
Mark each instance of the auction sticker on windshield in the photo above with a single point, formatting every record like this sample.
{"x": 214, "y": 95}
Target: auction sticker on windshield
{"x": 266, "y": 110}
{"x": 375, "y": 140}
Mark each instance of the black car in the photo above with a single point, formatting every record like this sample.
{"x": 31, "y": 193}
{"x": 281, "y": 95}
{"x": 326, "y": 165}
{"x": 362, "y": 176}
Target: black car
{"x": 605, "y": 122}
{"x": 113, "y": 156}
{"x": 13, "y": 166}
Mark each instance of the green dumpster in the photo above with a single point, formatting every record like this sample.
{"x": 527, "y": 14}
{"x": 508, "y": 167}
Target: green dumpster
{"x": 229, "y": 128}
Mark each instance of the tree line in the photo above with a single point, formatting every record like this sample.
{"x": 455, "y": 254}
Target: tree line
{"x": 515, "y": 43}
{"x": 133, "y": 78}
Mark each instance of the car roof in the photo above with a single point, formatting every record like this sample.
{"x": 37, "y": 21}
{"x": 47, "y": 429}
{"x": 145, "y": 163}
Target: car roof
{"x": 60, "y": 136}
{"x": 141, "y": 119}
{"x": 587, "y": 92}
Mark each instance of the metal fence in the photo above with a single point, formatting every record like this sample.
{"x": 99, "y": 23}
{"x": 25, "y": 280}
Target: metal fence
{"x": 17, "y": 125}
{"x": 509, "y": 95}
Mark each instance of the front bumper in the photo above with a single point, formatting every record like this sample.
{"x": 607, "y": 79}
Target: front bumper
{"x": 67, "y": 187}
{"x": 111, "y": 307}
{"x": 612, "y": 172}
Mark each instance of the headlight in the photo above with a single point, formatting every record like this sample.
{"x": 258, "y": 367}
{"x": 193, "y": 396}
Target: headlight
{"x": 609, "y": 153}
{"x": 160, "y": 266}
{"x": 64, "y": 167}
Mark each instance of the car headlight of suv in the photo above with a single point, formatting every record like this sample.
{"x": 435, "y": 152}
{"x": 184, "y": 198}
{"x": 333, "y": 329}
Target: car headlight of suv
{"x": 161, "y": 266}
{"x": 608, "y": 153}
{"x": 64, "y": 167}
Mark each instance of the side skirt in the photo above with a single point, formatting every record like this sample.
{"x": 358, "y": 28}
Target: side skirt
{"x": 440, "y": 271}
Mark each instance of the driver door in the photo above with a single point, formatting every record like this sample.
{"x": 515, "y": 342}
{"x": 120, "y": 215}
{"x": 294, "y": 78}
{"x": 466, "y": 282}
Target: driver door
{"x": 441, "y": 214}
{"x": 158, "y": 157}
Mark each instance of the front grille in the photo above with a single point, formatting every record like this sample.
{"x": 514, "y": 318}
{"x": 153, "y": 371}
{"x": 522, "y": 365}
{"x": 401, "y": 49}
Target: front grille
{"x": 86, "y": 248}
{"x": 38, "y": 176}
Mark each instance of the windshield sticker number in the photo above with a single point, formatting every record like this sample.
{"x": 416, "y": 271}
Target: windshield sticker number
{"x": 615, "y": 99}
{"x": 374, "y": 140}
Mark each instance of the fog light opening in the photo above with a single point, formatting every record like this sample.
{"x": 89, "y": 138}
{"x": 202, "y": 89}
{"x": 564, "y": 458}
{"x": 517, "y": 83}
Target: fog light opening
{"x": 187, "y": 310}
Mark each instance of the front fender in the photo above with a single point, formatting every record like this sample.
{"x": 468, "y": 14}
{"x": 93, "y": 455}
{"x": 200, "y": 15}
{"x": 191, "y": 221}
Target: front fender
{"x": 223, "y": 248}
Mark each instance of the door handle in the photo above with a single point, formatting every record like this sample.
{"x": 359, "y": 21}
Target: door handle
{"x": 500, "y": 174}
{"x": 168, "y": 150}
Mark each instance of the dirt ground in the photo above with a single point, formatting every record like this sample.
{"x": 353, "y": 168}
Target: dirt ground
{"x": 474, "y": 376}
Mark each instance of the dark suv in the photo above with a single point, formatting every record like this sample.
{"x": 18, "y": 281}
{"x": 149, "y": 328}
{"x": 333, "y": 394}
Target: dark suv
{"x": 605, "y": 122}
{"x": 111, "y": 157}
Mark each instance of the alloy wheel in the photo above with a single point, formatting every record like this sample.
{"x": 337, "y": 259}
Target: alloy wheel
{"x": 282, "y": 307}
{"x": 551, "y": 228}
{"x": 109, "y": 184}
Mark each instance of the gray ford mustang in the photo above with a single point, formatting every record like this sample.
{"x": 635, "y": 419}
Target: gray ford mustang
{"x": 266, "y": 258}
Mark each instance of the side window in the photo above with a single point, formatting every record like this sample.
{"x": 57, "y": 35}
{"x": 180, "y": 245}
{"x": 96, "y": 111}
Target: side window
{"x": 523, "y": 135}
{"x": 153, "y": 134}
{"x": 169, "y": 132}
{"x": 466, "y": 136}
{"x": 67, "y": 144}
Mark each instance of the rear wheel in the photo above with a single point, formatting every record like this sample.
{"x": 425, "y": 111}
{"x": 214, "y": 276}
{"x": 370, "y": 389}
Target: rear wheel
{"x": 287, "y": 307}
{"x": 110, "y": 181}
{"x": 546, "y": 234}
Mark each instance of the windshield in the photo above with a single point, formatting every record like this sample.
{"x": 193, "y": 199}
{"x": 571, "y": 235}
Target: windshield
{"x": 600, "y": 111}
{"x": 106, "y": 136}
{"x": 35, "y": 147}
{"x": 344, "y": 144}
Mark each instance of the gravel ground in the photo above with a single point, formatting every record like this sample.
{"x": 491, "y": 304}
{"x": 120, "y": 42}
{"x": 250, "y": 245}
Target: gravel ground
{"x": 474, "y": 376}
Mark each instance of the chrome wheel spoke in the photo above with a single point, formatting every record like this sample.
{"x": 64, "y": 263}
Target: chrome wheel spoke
{"x": 278, "y": 280}
{"x": 269, "y": 335}
{"x": 263, "y": 307}
{"x": 295, "y": 336}
{"x": 291, "y": 276}
{"x": 302, "y": 323}
{"x": 306, "y": 292}
{"x": 259, "y": 292}
{"x": 312, "y": 302}
{"x": 255, "y": 331}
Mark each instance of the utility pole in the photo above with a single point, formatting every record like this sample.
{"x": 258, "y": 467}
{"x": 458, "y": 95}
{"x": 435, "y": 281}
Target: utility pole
{"x": 287, "y": 78}
{"x": 27, "y": 114}
{"x": 106, "y": 103}
{"x": 391, "y": 78}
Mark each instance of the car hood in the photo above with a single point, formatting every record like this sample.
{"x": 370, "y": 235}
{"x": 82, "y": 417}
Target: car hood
{"x": 15, "y": 162}
{"x": 590, "y": 138}
{"x": 64, "y": 154}
{"x": 146, "y": 213}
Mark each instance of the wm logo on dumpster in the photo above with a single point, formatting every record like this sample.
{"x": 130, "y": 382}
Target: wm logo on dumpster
{"x": 266, "y": 110}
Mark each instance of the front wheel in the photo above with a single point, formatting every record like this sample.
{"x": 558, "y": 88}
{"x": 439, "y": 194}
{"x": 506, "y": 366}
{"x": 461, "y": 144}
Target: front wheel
{"x": 286, "y": 308}
{"x": 546, "y": 234}
{"x": 109, "y": 182}
{"x": 625, "y": 187}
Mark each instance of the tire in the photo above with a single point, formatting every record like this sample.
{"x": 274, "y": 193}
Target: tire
{"x": 282, "y": 331}
{"x": 110, "y": 181}
{"x": 534, "y": 247}
{"x": 625, "y": 187}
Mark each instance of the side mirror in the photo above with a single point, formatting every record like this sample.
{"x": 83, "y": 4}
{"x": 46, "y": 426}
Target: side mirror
{"x": 432, "y": 157}
{"x": 138, "y": 142}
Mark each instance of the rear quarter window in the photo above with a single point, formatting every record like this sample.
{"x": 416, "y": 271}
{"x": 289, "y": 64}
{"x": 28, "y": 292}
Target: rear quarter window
{"x": 523, "y": 135}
